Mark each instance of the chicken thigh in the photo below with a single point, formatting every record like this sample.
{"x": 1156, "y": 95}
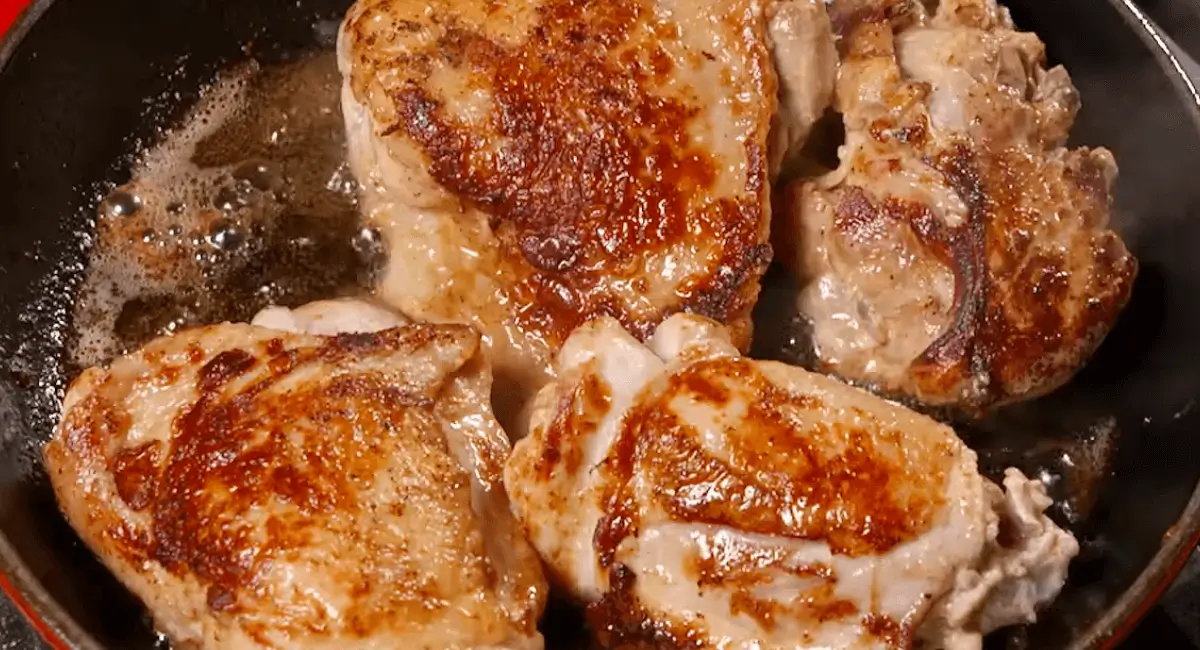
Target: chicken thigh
{"x": 696, "y": 498}
{"x": 264, "y": 489}
{"x": 534, "y": 164}
{"x": 960, "y": 254}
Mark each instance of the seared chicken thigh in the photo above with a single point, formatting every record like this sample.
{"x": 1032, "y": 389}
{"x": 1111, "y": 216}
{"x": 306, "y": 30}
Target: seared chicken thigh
{"x": 961, "y": 253}
{"x": 264, "y": 489}
{"x": 696, "y": 498}
{"x": 534, "y": 164}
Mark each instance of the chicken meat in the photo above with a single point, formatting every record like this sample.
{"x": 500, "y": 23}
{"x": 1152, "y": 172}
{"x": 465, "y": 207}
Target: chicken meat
{"x": 330, "y": 317}
{"x": 258, "y": 488}
{"x": 697, "y": 498}
{"x": 534, "y": 164}
{"x": 961, "y": 253}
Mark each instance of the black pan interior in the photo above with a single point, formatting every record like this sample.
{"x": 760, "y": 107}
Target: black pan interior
{"x": 1180, "y": 21}
{"x": 73, "y": 106}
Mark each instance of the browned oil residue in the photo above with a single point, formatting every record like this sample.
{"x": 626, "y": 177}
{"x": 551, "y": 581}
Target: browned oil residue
{"x": 247, "y": 203}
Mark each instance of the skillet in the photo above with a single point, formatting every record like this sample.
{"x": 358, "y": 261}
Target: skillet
{"x": 84, "y": 84}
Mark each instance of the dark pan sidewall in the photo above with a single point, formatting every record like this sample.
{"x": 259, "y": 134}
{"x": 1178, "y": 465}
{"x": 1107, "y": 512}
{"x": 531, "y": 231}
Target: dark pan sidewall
{"x": 59, "y": 630}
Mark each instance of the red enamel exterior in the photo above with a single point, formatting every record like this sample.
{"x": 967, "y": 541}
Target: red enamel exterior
{"x": 10, "y": 10}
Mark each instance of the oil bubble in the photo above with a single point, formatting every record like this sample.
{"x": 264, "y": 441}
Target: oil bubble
{"x": 368, "y": 243}
{"x": 120, "y": 204}
{"x": 343, "y": 182}
{"x": 226, "y": 236}
{"x": 231, "y": 198}
{"x": 258, "y": 175}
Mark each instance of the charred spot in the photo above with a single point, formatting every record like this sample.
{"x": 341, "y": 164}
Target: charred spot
{"x": 452, "y": 46}
{"x": 857, "y": 217}
{"x": 300, "y": 489}
{"x": 613, "y": 528}
{"x": 132, "y": 542}
{"x": 957, "y": 355}
{"x": 960, "y": 167}
{"x": 274, "y": 346}
{"x": 88, "y": 428}
{"x": 356, "y": 342}
{"x": 710, "y": 390}
{"x": 194, "y": 353}
{"x": 352, "y": 344}
{"x": 136, "y": 474}
{"x": 620, "y": 518}
{"x": 219, "y": 468}
{"x": 741, "y": 569}
{"x": 861, "y": 220}
{"x": 661, "y": 64}
{"x": 756, "y": 165}
{"x": 723, "y": 293}
{"x": 620, "y": 620}
{"x": 223, "y": 368}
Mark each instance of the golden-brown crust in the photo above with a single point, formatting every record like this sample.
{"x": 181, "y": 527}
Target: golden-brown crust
{"x": 579, "y": 414}
{"x": 742, "y": 569}
{"x": 216, "y": 447}
{"x": 787, "y": 475}
{"x": 862, "y": 500}
{"x": 283, "y": 441}
{"x": 587, "y": 162}
{"x": 1016, "y": 317}
{"x": 1039, "y": 279}
{"x": 137, "y": 474}
{"x": 1016, "y": 320}
{"x": 621, "y": 622}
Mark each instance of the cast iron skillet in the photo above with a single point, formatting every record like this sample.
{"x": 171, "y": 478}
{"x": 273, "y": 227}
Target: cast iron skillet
{"x": 74, "y": 79}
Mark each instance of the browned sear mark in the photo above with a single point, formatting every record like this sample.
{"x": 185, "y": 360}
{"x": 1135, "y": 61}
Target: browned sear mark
{"x": 789, "y": 473}
{"x": 591, "y": 160}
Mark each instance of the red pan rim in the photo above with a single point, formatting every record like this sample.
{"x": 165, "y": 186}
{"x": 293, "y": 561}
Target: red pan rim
{"x": 1150, "y": 599}
{"x": 31, "y": 615}
{"x": 17, "y": 16}
{"x": 9, "y": 11}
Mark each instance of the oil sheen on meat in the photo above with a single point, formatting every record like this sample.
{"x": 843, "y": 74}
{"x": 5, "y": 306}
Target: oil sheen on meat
{"x": 534, "y": 164}
{"x": 696, "y": 498}
{"x": 265, "y": 488}
{"x": 960, "y": 254}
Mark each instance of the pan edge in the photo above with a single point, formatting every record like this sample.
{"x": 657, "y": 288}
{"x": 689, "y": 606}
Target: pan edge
{"x": 61, "y": 631}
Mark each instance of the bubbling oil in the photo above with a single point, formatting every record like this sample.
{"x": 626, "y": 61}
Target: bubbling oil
{"x": 247, "y": 203}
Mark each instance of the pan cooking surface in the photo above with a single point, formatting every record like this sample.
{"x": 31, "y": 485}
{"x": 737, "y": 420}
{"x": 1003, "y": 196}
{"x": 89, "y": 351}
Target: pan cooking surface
{"x": 247, "y": 203}
{"x": 1113, "y": 446}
